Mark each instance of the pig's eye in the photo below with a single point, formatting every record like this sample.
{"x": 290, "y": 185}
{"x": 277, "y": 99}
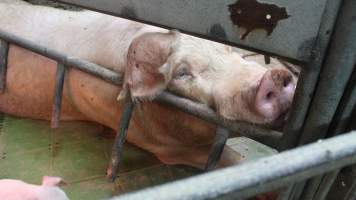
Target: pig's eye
{"x": 182, "y": 73}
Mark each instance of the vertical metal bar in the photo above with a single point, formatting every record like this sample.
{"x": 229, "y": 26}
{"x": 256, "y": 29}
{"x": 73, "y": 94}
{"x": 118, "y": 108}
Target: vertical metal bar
{"x": 285, "y": 194}
{"x": 58, "y": 90}
{"x": 267, "y": 59}
{"x": 217, "y": 148}
{"x": 326, "y": 184}
{"x": 309, "y": 77}
{"x": 121, "y": 134}
{"x": 351, "y": 194}
{"x": 338, "y": 69}
{"x": 311, "y": 187}
{"x": 4, "y": 48}
{"x": 343, "y": 115}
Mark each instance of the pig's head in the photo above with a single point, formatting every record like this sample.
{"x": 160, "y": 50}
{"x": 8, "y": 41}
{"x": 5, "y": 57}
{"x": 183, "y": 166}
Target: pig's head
{"x": 208, "y": 72}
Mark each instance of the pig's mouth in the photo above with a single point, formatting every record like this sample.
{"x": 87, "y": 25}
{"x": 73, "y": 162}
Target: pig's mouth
{"x": 280, "y": 121}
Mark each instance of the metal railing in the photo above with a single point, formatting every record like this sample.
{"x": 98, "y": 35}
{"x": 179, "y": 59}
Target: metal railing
{"x": 331, "y": 53}
{"x": 262, "y": 175}
{"x": 186, "y": 105}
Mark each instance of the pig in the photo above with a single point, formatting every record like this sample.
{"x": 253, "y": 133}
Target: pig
{"x": 11, "y": 189}
{"x": 152, "y": 60}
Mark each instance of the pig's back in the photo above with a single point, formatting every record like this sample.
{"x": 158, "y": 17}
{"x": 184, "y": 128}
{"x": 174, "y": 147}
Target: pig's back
{"x": 85, "y": 34}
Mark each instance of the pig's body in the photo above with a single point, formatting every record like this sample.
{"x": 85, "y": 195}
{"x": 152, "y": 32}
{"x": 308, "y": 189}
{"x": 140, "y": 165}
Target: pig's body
{"x": 174, "y": 137}
{"x": 18, "y": 190}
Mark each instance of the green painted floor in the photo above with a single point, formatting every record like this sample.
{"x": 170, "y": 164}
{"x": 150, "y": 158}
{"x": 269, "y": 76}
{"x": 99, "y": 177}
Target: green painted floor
{"x": 79, "y": 153}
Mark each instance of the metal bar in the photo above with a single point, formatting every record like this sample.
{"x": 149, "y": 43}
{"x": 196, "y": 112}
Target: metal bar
{"x": 286, "y": 193}
{"x": 217, "y": 148}
{"x": 326, "y": 184}
{"x": 58, "y": 90}
{"x": 256, "y": 132}
{"x": 265, "y": 174}
{"x": 309, "y": 77}
{"x": 351, "y": 194}
{"x": 311, "y": 187}
{"x": 4, "y": 48}
{"x": 80, "y": 64}
{"x": 337, "y": 69}
{"x": 343, "y": 114}
{"x": 215, "y": 20}
{"x": 120, "y": 138}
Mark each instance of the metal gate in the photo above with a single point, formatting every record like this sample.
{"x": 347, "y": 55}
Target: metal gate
{"x": 319, "y": 34}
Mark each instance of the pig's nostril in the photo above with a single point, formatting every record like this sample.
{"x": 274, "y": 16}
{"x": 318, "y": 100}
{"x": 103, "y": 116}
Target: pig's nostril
{"x": 269, "y": 95}
{"x": 286, "y": 82}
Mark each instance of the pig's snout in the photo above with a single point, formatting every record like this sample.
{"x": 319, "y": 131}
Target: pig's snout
{"x": 275, "y": 94}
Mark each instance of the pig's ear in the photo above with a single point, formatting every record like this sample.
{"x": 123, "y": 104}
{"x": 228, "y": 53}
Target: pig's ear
{"x": 51, "y": 181}
{"x": 148, "y": 68}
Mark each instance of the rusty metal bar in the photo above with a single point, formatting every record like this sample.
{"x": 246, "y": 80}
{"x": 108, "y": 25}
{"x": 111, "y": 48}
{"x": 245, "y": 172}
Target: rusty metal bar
{"x": 217, "y": 148}
{"x": 120, "y": 138}
{"x": 258, "y": 133}
{"x": 4, "y": 48}
{"x": 58, "y": 90}
{"x": 262, "y": 175}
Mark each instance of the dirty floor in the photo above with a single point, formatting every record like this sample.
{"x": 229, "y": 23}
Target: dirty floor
{"x": 78, "y": 152}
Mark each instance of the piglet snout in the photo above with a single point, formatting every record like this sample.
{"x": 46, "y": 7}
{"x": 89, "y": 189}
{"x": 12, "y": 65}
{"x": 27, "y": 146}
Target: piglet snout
{"x": 275, "y": 93}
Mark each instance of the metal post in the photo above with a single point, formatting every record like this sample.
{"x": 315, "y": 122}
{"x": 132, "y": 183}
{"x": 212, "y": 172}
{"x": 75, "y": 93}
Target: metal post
{"x": 217, "y": 148}
{"x": 121, "y": 134}
{"x": 309, "y": 77}
{"x": 338, "y": 67}
{"x": 58, "y": 91}
{"x": 4, "y": 48}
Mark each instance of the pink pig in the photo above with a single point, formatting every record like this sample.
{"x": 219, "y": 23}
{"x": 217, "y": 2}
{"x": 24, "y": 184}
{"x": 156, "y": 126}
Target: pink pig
{"x": 18, "y": 190}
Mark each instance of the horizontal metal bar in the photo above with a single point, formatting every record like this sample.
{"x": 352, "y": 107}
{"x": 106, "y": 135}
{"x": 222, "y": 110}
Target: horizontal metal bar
{"x": 57, "y": 104}
{"x": 265, "y": 174}
{"x": 4, "y": 47}
{"x": 216, "y": 20}
{"x": 202, "y": 111}
{"x": 249, "y": 130}
{"x": 80, "y": 64}
{"x": 217, "y": 148}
